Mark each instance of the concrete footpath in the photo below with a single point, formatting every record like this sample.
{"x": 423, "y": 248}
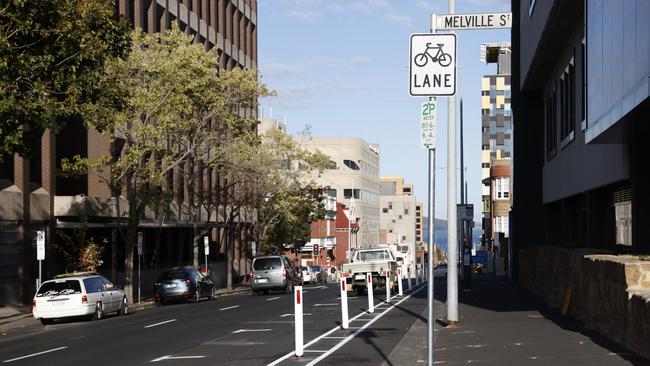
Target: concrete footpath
{"x": 503, "y": 324}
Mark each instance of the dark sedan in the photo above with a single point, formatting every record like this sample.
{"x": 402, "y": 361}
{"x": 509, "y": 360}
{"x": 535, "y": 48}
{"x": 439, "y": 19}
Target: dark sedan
{"x": 183, "y": 284}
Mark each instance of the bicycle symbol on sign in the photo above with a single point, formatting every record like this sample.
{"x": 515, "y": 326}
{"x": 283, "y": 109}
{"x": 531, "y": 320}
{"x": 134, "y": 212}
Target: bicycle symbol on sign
{"x": 442, "y": 58}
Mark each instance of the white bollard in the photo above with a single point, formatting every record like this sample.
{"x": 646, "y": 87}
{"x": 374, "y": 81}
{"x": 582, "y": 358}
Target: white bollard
{"x": 344, "y": 305}
{"x": 409, "y": 280}
{"x": 371, "y": 298}
{"x": 297, "y": 301}
{"x": 417, "y": 277}
{"x": 399, "y": 281}
{"x": 387, "y": 286}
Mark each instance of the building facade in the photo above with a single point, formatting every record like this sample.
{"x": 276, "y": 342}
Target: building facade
{"x": 36, "y": 198}
{"x": 397, "y": 220}
{"x": 353, "y": 178}
{"x": 496, "y": 144}
{"x": 581, "y": 104}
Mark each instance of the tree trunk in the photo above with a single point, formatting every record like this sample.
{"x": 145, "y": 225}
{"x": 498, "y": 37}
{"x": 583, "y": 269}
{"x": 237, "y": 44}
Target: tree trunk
{"x": 195, "y": 245}
{"x": 114, "y": 255}
{"x": 229, "y": 258}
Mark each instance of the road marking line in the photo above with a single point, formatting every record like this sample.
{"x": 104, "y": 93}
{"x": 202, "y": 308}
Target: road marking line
{"x": 35, "y": 354}
{"x": 349, "y": 297}
{"x": 229, "y": 307}
{"x": 286, "y": 315}
{"x": 163, "y": 358}
{"x": 314, "y": 351}
{"x": 338, "y": 328}
{"x": 361, "y": 320}
{"x": 161, "y": 323}
{"x": 250, "y": 330}
{"x": 273, "y": 298}
{"x": 325, "y": 304}
{"x": 361, "y": 329}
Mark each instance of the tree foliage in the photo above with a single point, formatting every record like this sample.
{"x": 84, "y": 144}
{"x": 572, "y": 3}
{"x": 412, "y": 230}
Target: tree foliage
{"x": 178, "y": 111}
{"x": 52, "y": 55}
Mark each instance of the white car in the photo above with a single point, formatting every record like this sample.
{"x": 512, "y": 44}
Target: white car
{"x": 84, "y": 294}
{"x": 308, "y": 275}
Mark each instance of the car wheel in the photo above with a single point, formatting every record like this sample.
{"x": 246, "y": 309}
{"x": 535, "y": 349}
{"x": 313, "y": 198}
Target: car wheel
{"x": 99, "y": 311}
{"x": 124, "y": 307}
{"x": 265, "y": 292}
{"x": 197, "y": 295}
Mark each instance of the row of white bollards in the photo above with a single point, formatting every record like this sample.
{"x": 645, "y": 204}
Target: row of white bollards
{"x": 298, "y": 300}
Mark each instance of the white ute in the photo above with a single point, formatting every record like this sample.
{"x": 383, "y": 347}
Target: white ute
{"x": 380, "y": 262}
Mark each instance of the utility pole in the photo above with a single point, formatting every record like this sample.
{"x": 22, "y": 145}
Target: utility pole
{"x": 452, "y": 237}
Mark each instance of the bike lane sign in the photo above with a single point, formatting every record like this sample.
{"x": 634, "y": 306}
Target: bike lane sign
{"x": 432, "y": 64}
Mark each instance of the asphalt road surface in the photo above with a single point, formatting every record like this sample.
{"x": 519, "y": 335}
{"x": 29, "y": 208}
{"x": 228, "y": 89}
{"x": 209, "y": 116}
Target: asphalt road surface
{"x": 236, "y": 330}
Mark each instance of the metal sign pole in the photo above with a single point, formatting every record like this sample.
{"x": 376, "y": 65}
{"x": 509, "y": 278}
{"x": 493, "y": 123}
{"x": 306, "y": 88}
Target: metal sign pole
{"x": 452, "y": 235}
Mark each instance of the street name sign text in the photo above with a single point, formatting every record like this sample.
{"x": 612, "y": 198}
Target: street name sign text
{"x": 471, "y": 21}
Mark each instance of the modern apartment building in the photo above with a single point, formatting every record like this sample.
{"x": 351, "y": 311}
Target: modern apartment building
{"x": 496, "y": 144}
{"x": 581, "y": 98}
{"x": 34, "y": 197}
{"x": 353, "y": 178}
{"x": 397, "y": 220}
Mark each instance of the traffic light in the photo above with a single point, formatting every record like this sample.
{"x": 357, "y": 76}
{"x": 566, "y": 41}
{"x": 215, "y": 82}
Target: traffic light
{"x": 315, "y": 250}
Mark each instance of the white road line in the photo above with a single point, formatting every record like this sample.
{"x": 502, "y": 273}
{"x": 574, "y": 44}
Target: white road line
{"x": 349, "y": 297}
{"x": 161, "y": 323}
{"x": 273, "y": 298}
{"x": 250, "y": 330}
{"x": 163, "y": 358}
{"x": 286, "y": 315}
{"x": 229, "y": 307}
{"x": 325, "y": 304}
{"x": 338, "y": 328}
{"x": 35, "y": 354}
{"x": 314, "y": 351}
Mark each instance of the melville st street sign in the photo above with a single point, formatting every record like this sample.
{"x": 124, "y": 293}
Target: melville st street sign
{"x": 472, "y": 21}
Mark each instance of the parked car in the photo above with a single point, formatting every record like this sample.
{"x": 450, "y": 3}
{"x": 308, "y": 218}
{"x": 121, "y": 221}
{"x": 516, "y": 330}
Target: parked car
{"x": 308, "y": 275}
{"x": 320, "y": 275}
{"x": 183, "y": 284}
{"x": 274, "y": 272}
{"x": 78, "y": 295}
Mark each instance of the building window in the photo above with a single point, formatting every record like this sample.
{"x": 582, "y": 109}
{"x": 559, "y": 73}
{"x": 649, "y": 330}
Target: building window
{"x": 501, "y": 225}
{"x": 331, "y": 192}
{"x": 583, "y": 96}
{"x": 351, "y": 164}
{"x": 567, "y": 103}
{"x": 502, "y": 188}
{"x": 406, "y": 211}
{"x": 348, "y": 193}
{"x": 551, "y": 125}
{"x": 384, "y": 210}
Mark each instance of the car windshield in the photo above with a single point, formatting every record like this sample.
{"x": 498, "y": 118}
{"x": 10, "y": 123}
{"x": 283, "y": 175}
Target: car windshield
{"x": 316, "y": 268}
{"x": 180, "y": 275}
{"x": 305, "y": 269}
{"x": 267, "y": 263}
{"x": 373, "y": 255}
{"x": 62, "y": 287}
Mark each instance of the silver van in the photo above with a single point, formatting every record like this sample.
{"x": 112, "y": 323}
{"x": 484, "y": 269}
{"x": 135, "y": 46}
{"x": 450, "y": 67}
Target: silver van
{"x": 273, "y": 273}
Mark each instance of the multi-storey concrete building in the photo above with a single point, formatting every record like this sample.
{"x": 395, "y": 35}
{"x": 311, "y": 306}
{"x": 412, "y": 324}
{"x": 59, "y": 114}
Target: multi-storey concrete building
{"x": 581, "y": 101}
{"x": 353, "y": 178}
{"x": 397, "y": 220}
{"x": 496, "y": 146}
{"x": 34, "y": 197}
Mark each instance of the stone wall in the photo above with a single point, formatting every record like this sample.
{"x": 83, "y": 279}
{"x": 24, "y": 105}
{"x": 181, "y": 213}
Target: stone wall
{"x": 610, "y": 293}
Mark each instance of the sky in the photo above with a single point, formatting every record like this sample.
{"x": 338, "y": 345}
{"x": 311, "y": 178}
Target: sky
{"x": 341, "y": 67}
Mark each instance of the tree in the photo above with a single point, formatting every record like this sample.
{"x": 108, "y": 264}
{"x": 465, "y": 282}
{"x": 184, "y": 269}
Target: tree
{"x": 52, "y": 53}
{"x": 177, "y": 108}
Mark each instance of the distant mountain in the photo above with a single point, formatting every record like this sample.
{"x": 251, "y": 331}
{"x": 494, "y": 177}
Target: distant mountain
{"x": 440, "y": 224}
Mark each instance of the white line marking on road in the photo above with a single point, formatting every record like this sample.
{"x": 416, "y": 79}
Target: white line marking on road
{"x": 349, "y": 297}
{"x": 250, "y": 330}
{"x": 326, "y": 304}
{"x": 338, "y": 328}
{"x": 273, "y": 298}
{"x": 229, "y": 307}
{"x": 161, "y": 323}
{"x": 314, "y": 351}
{"x": 163, "y": 358}
{"x": 320, "y": 287}
{"x": 35, "y": 354}
{"x": 286, "y": 315}
{"x": 351, "y": 336}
